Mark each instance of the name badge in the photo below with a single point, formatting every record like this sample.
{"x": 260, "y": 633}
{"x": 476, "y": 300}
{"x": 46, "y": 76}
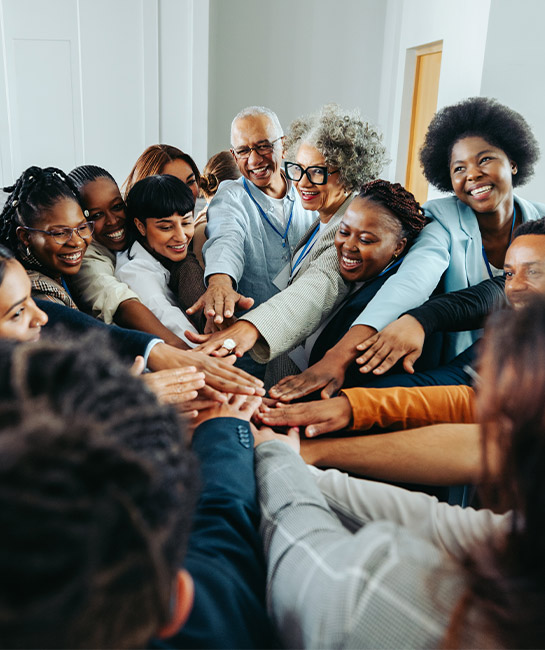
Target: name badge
{"x": 282, "y": 279}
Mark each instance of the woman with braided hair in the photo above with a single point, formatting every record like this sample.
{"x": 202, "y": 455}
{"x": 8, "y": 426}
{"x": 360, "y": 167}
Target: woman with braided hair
{"x": 44, "y": 225}
{"x": 373, "y": 237}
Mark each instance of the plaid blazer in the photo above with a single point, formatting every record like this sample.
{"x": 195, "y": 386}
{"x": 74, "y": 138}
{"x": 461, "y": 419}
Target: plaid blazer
{"x": 327, "y": 587}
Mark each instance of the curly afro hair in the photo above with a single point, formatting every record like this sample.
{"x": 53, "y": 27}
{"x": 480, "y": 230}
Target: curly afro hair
{"x": 346, "y": 141}
{"x": 499, "y": 125}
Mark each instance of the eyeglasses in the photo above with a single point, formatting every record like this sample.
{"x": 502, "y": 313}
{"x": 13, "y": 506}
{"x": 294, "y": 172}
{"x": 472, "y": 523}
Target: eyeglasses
{"x": 262, "y": 149}
{"x": 316, "y": 174}
{"x": 64, "y": 235}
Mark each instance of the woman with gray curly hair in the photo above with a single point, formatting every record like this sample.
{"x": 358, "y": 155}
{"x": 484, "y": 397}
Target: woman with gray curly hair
{"x": 334, "y": 153}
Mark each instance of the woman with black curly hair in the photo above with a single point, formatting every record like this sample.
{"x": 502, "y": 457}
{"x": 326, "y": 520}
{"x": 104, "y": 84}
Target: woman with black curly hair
{"x": 479, "y": 150}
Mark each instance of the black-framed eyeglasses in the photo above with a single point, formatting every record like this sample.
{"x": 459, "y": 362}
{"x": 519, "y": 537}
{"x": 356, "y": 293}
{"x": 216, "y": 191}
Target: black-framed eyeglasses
{"x": 263, "y": 149}
{"x": 316, "y": 174}
{"x": 64, "y": 235}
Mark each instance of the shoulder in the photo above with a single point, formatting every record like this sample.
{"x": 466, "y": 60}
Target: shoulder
{"x": 531, "y": 210}
{"x": 443, "y": 208}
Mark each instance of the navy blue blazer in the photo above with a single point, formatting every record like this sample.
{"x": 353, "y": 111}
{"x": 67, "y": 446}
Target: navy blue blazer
{"x": 127, "y": 343}
{"x": 225, "y": 555}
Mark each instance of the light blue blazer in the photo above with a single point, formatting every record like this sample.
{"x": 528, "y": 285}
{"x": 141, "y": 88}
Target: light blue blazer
{"x": 451, "y": 245}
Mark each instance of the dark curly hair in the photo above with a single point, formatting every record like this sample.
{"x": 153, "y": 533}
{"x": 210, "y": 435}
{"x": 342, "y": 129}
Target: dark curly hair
{"x": 400, "y": 202}
{"x": 499, "y": 125}
{"x": 536, "y": 227}
{"x": 97, "y": 490}
{"x": 35, "y": 191}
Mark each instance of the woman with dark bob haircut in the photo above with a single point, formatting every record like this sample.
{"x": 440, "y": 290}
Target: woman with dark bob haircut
{"x": 479, "y": 150}
{"x": 159, "y": 230}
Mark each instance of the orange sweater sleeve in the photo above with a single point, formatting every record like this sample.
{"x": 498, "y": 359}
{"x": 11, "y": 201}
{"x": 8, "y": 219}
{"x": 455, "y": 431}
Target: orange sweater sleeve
{"x": 410, "y": 407}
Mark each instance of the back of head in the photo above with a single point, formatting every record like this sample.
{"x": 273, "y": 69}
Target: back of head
{"x": 399, "y": 202}
{"x": 36, "y": 190}
{"x": 484, "y": 117}
{"x": 346, "y": 141}
{"x": 153, "y": 161}
{"x": 5, "y": 256}
{"x": 221, "y": 167}
{"x": 96, "y": 490}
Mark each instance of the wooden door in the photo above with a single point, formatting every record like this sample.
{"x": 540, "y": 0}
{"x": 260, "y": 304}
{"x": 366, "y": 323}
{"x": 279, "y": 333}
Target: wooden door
{"x": 426, "y": 86}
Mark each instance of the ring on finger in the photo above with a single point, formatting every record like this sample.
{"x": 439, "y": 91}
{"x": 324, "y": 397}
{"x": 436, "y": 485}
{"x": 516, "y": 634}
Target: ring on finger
{"x": 229, "y": 345}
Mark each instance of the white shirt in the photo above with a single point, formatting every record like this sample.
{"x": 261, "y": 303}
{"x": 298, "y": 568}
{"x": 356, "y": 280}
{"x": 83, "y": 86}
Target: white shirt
{"x": 149, "y": 279}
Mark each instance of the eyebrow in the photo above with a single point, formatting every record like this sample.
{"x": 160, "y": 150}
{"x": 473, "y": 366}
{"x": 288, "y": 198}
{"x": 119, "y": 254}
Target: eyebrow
{"x": 526, "y": 264}
{"x": 15, "y": 304}
{"x": 455, "y": 162}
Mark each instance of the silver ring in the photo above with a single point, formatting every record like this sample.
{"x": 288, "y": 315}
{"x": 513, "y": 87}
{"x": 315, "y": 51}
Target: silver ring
{"x": 229, "y": 345}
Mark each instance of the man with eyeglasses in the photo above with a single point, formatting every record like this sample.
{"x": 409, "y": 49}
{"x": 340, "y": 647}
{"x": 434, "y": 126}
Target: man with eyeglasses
{"x": 254, "y": 223}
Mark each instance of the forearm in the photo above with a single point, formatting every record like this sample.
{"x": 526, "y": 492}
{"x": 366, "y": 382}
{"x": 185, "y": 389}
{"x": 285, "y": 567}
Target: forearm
{"x": 132, "y": 314}
{"x": 345, "y": 352}
{"x": 358, "y": 502}
{"x": 461, "y": 310}
{"x": 442, "y": 454}
{"x": 410, "y": 407}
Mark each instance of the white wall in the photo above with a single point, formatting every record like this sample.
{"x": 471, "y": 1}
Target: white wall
{"x": 514, "y": 71}
{"x": 97, "y": 81}
{"x": 462, "y": 26}
{"x": 292, "y": 56}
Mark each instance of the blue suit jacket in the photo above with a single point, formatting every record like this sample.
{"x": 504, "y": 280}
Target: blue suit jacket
{"x": 225, "y": 555}
{"x": 127, "y": 343}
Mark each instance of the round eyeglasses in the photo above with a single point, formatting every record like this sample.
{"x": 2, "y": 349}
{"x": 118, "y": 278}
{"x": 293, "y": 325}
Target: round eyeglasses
{"x": 64, "y": 235}
{"x": 263, "y": 149}
{"x": 316, "y": 174}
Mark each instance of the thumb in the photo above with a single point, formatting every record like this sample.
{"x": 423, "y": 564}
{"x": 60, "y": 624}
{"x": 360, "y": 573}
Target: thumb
{"x": 409, "y": 361}
{"x": 197, "y": 338}
{"x": 330, "y": 390}
{"x": 138, "y": 366}
{"x": 197, "y": 306}
{"x": 317, "y": 429}
{"x": 245, "y": 303}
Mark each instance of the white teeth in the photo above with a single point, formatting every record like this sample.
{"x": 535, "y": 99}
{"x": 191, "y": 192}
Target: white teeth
{"x": 117, "y": 235}
{"x": 259, "y": 171}
{"x": 308, "y": 193}
{"x": 73, "y": 257}
{"x": 181, "y": 247}
{"x": 480, "y": 190}
{"x": 349, "y": 262}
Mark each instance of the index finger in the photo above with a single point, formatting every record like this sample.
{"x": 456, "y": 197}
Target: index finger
{"x": 374, "y": 355}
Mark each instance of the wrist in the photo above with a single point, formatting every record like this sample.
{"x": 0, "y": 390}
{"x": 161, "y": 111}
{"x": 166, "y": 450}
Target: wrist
{"x": 162, "y": 357}
{"x": 220, "y": 280}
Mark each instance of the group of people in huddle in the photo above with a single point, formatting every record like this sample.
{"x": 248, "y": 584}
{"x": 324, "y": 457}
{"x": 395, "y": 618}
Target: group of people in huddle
{"x": 263, "y": 425}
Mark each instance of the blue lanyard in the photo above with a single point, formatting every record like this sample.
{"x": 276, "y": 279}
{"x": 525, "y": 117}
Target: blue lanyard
{"x": 65, "y": 286}
{"x": 389, "y": 268}
{"x": 306, "y": 249}
{"x": 262, "y": 213}
{"x": 485, "y": 257}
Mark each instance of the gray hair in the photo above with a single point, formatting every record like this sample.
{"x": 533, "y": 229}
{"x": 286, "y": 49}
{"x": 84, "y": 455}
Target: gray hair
{"x": 345, "y": 140}
{"x": 252, "y": 111}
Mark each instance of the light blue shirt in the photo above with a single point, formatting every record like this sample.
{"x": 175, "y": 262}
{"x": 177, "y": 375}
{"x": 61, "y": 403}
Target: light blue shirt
{"x": 449, "y": 247}
{"x": 243, "y": 245}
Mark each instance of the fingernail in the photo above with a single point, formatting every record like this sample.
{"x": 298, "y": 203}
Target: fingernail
{"x": 310, "y": 433}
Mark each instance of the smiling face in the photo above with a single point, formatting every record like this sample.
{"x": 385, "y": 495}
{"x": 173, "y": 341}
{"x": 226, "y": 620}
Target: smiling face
{"x": 525, "y": 269}
{"x": 20, "y": 317}
{"x": 107, "y": 210}
{"x": 482, "y": 175}
{"x": 183, "y": 171}
{"x": 58, "y": 259}
{"x": 169, "y": 237}
{"x": 367, "y": 240}
{"x": 264, "y": 170}
{"x": 325, "y": 199}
